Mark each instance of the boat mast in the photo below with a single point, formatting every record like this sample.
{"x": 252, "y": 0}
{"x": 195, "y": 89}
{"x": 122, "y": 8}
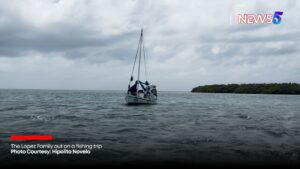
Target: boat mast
{"x": 141, "y": 41}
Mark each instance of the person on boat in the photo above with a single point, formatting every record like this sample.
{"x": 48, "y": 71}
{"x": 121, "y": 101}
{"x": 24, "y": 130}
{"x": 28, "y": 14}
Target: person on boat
{"x": 133, "y": 89}
{"x": 147, "y": 91}
{"x": 154, "y": 91}
{"x": 146, "y": 88}
{"x": 143, "y": 87}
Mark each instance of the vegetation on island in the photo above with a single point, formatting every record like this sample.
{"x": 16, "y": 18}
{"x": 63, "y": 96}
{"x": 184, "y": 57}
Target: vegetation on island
{"x": 263, "y": 88}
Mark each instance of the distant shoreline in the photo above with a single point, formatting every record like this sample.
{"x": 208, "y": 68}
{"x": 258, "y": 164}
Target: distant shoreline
{"x": 253, "y": 88}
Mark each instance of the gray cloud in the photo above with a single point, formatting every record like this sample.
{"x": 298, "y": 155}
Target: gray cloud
{"x": 20, "y": 37}
{"x": 92, "y": 43}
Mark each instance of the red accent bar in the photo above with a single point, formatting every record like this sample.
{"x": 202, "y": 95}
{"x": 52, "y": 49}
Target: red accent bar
{"x": 31, "y": 137}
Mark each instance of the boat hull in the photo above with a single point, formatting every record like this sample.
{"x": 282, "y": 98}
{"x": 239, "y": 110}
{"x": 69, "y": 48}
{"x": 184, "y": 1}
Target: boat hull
{"x": 135, "y": 100}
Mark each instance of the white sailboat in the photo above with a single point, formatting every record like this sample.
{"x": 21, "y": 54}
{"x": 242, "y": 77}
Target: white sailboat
{"x": 140, "y": 92}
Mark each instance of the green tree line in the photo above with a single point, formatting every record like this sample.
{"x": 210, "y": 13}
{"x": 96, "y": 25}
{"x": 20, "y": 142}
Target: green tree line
{"x": 263, "y": 88}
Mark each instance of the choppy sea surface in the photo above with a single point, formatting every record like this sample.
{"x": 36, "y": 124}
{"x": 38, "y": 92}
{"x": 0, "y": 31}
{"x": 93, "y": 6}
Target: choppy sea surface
{"x": 184, "y": 127}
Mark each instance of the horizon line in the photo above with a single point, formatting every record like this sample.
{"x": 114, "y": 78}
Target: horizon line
{"x": 86, "y": 89}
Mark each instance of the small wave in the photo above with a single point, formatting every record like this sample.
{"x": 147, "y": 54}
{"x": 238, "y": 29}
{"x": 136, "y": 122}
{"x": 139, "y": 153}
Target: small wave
{"x": 14, "y": 108}
{"x": 41, "y": 118}
{"x": 70, "y": 117}
{"x": 251, "y": 128}
{"x": 73, "y": 118}
{"x": 197, "y": 141}
{"x": 126, "y": 130}
{"x": 244, "y": 116}
{"x": 79, "y": 125}
{"x": 275, "y": 133}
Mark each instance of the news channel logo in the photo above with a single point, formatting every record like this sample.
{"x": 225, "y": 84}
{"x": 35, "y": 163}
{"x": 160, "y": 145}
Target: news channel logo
{"x": 250, "y": 18}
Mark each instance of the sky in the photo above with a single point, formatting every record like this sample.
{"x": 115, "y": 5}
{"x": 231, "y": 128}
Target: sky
{"x": 91, "y": 45}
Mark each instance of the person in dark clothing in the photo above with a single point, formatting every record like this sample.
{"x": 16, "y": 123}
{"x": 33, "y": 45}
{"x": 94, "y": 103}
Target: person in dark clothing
{"x": 143, "y": 87}
{"x": 133, "y": 89}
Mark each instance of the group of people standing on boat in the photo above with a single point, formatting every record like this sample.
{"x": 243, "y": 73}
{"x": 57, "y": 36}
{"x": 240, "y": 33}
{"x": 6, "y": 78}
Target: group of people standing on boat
{"x": 145, "y": 89}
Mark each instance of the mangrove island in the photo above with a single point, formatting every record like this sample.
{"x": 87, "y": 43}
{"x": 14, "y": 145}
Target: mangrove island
{"x": 255, "y": 88}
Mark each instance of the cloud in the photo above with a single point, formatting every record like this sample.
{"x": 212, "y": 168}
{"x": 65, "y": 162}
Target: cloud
{"x": 91, "y": 44}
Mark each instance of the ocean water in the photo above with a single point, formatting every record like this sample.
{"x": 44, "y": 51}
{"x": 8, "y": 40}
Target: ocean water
{"x": 184, "y": 127}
